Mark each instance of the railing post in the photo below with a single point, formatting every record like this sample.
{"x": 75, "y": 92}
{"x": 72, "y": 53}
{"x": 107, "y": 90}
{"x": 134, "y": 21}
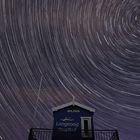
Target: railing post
{"x": 30, "y": 134}
{"x": 117, "y": 135}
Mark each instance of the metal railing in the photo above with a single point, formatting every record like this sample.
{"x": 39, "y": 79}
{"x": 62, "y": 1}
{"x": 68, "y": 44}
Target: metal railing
{"x": 47, "y": 134}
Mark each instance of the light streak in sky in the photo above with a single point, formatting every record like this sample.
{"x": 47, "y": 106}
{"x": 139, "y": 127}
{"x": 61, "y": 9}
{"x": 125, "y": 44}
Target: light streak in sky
{"x": 87, "y": 49}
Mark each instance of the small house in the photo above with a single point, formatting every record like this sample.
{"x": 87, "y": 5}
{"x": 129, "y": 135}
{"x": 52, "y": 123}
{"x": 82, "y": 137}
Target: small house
{"x": 73, "y": 121}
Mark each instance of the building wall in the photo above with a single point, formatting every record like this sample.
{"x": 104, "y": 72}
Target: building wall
{"x": 68, "y": 120}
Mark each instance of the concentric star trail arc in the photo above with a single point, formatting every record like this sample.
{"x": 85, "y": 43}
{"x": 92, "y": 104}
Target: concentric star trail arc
{"x": 88, "y": 49}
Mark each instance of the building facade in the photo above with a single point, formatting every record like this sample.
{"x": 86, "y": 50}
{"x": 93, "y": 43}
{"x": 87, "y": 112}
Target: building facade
{"x": 73, "y": 121}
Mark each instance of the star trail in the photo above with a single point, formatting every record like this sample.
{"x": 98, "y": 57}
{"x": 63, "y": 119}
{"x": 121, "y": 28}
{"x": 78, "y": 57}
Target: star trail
{"x": 89, "y": 49}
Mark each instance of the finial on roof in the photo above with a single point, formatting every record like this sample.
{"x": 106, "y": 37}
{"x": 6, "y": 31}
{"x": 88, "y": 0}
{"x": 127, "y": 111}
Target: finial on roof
{"x": 73, "y": 99}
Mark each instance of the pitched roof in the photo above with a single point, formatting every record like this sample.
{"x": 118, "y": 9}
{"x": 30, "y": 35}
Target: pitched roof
{"x": 74, "y": 104}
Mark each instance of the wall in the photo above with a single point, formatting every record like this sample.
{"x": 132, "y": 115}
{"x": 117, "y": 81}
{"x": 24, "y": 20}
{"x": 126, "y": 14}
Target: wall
{"x": 69, "y": 122}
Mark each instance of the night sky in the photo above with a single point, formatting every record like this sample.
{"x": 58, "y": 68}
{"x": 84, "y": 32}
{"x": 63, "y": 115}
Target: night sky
{"x": 51, "y": 50}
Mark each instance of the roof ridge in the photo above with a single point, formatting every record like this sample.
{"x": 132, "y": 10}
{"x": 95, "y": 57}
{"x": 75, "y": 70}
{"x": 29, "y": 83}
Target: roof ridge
{"x": 73, "y": 103}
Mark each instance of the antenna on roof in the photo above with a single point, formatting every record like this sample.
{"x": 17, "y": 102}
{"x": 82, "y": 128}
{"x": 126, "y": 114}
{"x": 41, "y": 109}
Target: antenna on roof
{"x": 38, "y": 97}
{"x": 73, "y": 98}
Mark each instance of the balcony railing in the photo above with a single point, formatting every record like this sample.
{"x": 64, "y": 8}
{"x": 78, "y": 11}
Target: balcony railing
{"x": 47, "y": 134}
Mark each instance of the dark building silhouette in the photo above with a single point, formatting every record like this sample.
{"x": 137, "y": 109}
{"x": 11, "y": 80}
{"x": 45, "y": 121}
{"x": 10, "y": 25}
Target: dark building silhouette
{"x": 73, "y": 121}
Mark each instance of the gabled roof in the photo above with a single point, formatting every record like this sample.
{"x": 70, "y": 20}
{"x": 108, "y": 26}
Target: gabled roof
{"x": 74, "y": 104}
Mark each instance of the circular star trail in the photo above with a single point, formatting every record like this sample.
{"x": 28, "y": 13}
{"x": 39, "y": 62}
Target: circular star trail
{"x": 52, "y": 50}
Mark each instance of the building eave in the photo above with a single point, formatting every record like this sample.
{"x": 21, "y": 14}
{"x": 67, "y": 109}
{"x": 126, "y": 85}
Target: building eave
{"x": 74, "y": 104}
